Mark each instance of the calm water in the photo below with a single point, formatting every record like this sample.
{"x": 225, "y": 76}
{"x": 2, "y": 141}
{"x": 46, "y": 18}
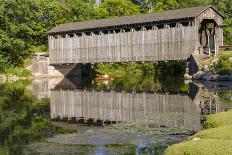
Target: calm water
{"x": 129, "y": 115}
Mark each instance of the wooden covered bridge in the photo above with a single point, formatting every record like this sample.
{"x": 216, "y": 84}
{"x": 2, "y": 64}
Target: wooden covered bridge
{"x": 169, "y": 35}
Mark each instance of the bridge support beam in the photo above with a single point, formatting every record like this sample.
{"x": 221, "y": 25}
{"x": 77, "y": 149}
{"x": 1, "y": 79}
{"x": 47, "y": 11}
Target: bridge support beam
{"x": 192, "y": 65}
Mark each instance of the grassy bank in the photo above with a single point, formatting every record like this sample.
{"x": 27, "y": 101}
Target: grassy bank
{"x": 215, "y": 139}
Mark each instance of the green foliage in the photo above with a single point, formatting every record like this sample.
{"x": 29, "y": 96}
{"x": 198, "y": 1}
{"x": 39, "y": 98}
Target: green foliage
{"x": 18, "y": 19}
{"x": 18, "y": 71}
{"x": 224, "y": 6}
{"x": 24, "y": 23}
{"x": 39, "y": 49}
{"x": 55, "y": 12}
{"x": 222, "y": 132}
{"x": 171, "y": 67}
{"x": 119, "y": 69}
{"x": 140, "y": 82}
{"x": 23, "y": 118}
{"x": 224, "y": 65}
{"x": 3, "y": 63}
{"x": 202, "y": 147}
{"x": 114, "y": 8}
{"x": 219, "y": 119}
{"x": 216, "y": 139}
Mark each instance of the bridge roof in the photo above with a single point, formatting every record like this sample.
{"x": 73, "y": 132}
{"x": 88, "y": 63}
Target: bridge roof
{"x": 186, "y": 13}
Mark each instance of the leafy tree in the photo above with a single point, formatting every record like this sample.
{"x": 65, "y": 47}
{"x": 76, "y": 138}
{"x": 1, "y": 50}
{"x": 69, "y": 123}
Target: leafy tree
{"x": 55, "y": 12}
{"x": 17, "y": 23}
{"x": 114, "y": 8}
{"x": 224, "y": 6}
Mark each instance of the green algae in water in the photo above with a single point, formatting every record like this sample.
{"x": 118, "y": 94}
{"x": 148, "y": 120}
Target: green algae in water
{"x": 133, "y": 128}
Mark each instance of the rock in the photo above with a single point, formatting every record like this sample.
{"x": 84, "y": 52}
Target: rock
{"x": 206, "y": 75}
{"x": 187, "y": 76}
{"x": 198, "y": 75}
{"x": 201, "y": 75}
{"x": 142, "y": 147}
{"x": 223, "y": 77}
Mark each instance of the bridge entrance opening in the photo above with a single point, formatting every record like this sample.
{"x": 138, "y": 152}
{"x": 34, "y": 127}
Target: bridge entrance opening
{"x": 207, "y": 36}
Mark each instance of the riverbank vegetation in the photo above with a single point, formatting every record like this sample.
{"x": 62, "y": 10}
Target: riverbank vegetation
{"x": 139, "y": 82}
{"x": 24, "y": 118}
{"x": 17, "y": 71}
{"x": 216, "y": 139}
{"x": 224, "y": 64}
{"x": 147, "y": 68}
{"x": 24, "y": 23}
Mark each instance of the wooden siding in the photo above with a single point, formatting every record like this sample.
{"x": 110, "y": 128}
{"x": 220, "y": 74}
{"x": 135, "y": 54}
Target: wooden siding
{"x": 161, "y": 109}
{"x": 174, "y": 43}
{"x": 210, "y": 14}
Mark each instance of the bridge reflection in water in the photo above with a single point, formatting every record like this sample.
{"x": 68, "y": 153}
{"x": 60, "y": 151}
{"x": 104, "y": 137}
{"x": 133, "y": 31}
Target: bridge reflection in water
{"x": 169, "y": 110}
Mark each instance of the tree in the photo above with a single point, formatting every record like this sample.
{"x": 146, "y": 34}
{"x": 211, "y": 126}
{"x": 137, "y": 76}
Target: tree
{"x": 224, "y": 6}
{"x": 114, "y": 8}
{"x": 17, "y": 22}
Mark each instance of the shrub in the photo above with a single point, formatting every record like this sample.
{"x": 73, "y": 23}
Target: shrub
{"x": 224, "y": 63}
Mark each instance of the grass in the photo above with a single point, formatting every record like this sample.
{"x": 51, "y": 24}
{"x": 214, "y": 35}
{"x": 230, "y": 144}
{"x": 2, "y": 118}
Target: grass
{"x": 17, "y": 71}
{"x": 218, "y": 119}
{"x": 215, "y": 140}
{"x": 202, "y": 147}
{"x": 222, "y": 132}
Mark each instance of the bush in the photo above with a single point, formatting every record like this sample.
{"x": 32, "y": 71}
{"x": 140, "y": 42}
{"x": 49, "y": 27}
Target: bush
{"x": 39, "y": 49}
{"x": 224, "y": 63}
{"x": 3, "y": 63}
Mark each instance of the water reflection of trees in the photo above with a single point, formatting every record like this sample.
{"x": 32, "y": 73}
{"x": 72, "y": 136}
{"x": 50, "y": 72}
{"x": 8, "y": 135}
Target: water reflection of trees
{"x": 138, "y": 82}
{"x": 23, "y": 119}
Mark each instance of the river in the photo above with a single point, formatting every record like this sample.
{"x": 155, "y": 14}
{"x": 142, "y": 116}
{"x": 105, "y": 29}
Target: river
{"x": 128, "y": 115}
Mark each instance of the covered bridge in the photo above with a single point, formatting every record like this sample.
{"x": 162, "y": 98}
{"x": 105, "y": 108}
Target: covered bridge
{"x": 169, "y": 35}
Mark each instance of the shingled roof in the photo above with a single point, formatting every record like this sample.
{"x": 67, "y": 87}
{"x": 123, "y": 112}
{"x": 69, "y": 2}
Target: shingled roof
{"x": 134, "y": 19}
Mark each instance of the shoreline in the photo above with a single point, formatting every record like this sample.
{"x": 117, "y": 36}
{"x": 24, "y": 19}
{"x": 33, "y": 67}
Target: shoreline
{"x": 216, "y": 138}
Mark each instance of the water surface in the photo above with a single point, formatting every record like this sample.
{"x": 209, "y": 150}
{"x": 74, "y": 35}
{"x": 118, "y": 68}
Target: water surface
{"x": 129, "y": 115}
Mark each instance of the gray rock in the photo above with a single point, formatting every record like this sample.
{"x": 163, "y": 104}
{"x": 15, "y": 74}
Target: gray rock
{"x": 206, "y": 75}
{"x": 198, "y": 75}
{"x": 201, "y": 75}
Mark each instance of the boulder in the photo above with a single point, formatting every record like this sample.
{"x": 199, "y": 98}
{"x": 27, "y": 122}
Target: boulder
{"x": 198, "y": 75}
{"x": 201, "y": 75}
{"x": 206, "y": 75}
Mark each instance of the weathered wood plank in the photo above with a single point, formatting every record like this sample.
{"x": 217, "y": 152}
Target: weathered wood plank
{"x": 146, "y": 45}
